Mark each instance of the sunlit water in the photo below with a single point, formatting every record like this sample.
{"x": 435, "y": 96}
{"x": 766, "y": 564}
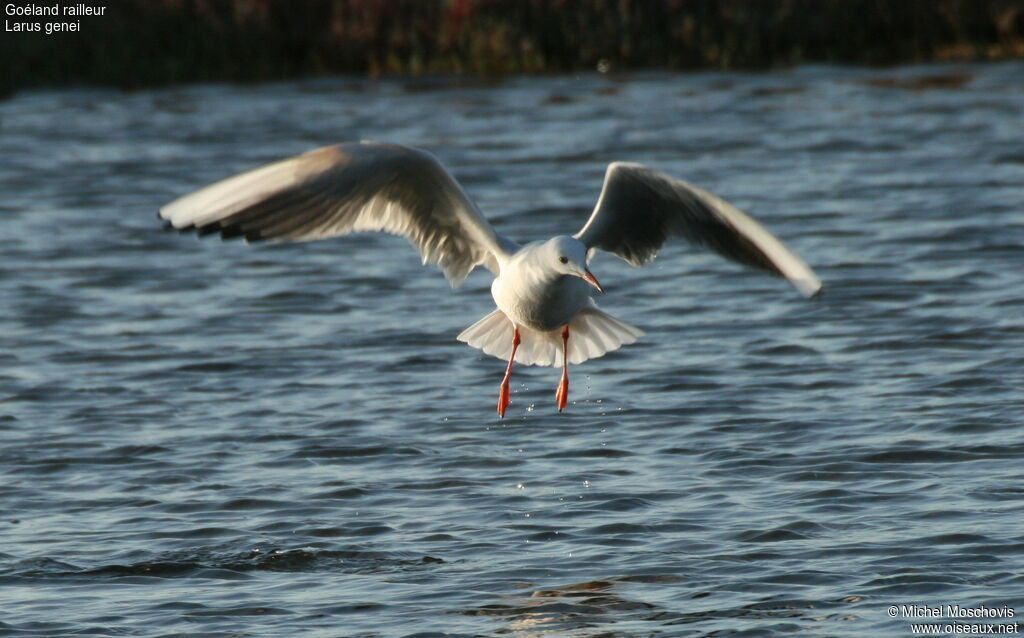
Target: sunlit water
{"x": 207, "y": 438}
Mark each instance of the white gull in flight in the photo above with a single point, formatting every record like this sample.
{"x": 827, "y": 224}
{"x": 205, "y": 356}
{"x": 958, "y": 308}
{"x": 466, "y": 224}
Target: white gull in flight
{"x": 545, "y": 314}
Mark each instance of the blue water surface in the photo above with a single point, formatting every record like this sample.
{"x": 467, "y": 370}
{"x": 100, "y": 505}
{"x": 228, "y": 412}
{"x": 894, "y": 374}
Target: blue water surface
{"x": 204, "y": 438}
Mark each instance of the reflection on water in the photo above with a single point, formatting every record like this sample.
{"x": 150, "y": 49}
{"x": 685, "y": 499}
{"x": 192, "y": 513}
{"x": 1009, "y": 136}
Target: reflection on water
{"x": 209, "y": 438}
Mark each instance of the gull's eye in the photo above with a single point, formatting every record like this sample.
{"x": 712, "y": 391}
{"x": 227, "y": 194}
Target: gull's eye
{"x": 563, "y": 259}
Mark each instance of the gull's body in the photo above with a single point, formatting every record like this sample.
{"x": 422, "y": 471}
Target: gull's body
{"x": 533, "y": 295}
{"x": 542, "y": 290}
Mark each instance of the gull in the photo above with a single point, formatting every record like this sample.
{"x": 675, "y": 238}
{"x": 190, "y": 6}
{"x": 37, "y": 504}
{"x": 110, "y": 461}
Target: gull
{"x": 545, "y": 313}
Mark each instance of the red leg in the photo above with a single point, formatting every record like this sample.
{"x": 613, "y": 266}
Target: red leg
{"x": 562, "y": 394}
{"x": 503, "y": 394}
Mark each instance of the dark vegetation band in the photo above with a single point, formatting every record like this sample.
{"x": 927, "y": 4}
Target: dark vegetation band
{"x": 152, "y": 42}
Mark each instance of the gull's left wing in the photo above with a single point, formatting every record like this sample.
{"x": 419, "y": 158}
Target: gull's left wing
{"x": 639, "y": 208}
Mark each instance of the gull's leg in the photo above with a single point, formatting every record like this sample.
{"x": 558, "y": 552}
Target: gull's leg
{"x": 503, "y": 394}
{"x": 562, "y": 394}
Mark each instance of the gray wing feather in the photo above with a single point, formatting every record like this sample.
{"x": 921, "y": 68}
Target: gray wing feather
{"x": 640, "y": 208}
{"x": 348, "y": 188}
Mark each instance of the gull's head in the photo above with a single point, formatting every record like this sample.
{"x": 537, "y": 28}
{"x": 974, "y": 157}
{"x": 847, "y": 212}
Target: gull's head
{"x": 568, "y": 256}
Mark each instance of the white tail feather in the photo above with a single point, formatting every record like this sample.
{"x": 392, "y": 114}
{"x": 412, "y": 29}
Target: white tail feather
{"x": 592, "y": 333}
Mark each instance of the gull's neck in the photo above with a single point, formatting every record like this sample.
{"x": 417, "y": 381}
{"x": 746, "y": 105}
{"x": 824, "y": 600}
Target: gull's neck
{"x": 529, "y": 266}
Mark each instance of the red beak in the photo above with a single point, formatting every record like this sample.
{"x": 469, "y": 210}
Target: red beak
{"x": 591, "y": 279}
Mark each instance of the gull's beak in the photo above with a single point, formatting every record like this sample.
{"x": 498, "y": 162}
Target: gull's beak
{"x": 589, "y": 277}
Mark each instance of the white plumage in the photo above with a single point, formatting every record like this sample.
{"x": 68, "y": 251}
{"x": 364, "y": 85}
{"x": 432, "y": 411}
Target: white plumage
{"x": 546, "y": 315}
{"x": 594, "y": 334}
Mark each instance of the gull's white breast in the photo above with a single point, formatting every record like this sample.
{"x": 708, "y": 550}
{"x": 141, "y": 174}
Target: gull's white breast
{"x": 536, "y": 298}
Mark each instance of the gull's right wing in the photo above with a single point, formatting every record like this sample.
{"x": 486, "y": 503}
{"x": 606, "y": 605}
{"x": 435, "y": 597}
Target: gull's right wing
{"x": 336, "y": 190}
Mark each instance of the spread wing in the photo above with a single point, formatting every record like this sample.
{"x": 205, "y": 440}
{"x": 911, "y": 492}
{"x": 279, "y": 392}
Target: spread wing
{"x": 640, "y": 208}
{"x": 336, "y": 190}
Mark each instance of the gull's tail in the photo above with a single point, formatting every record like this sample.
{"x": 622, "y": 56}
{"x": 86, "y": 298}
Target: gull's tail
{"x": 592, "y": 333}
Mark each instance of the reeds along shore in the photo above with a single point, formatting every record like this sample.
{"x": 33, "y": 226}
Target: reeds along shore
{"x": 151, "y": 42}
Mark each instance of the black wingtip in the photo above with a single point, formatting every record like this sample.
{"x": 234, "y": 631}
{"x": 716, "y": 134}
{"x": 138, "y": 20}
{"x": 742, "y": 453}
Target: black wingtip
{"x": 169, "y": 227}
{"x": 232, "y": 232}
{"x": 208, "y": 229}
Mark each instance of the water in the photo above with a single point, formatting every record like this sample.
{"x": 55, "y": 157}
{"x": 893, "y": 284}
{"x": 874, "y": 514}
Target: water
{"x": 208, "y": 439}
